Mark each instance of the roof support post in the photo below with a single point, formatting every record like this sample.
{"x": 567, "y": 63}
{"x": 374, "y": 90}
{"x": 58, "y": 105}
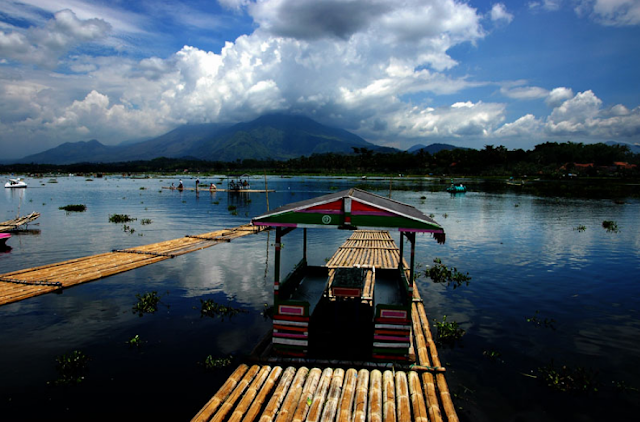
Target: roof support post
{"x": 276, "y": 275}
{"x": 304, "y": 246}
{"x": 401, "y": 251}
{"x": 412, "y": 238}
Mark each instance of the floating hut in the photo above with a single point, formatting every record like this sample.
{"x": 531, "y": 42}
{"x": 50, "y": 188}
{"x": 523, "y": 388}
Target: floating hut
{"x": 358, "y": 306}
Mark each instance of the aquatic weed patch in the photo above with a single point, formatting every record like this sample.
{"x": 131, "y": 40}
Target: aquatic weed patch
{"x": 448, "y": 332}
{"x": 73, "y": 208}
{"x": 120, "y": 218}
{"x": 610, "y": 226}
{"x": 568, "y": 379}
{"x": 210, "y": 308}
{"x": 439, "y": 273}
{"x": 538, "y": 322}
{"x": 147, "y": 303}
{"x": 210, "y": 363}
{"x": 71, "y": 368}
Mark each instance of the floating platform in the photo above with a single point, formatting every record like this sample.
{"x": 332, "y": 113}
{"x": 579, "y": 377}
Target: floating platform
{"x": 23, "y": 284}
{"x": 285, "y": 389}
{"x": 11, "y": 225}
{"x": 222, "y": 190}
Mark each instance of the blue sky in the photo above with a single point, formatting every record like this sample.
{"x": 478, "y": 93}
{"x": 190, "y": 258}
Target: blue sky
{"x": 398, "y": 73}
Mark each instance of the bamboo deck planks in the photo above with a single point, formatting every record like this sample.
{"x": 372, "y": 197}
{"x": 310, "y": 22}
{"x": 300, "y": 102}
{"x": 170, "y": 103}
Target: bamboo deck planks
{"x": 23, "y": 284}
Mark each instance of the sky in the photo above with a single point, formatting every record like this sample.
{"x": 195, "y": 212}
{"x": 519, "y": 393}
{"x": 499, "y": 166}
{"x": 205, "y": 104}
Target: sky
{"x": 396, "y": 72}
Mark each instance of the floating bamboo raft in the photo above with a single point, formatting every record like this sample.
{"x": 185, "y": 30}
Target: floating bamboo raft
{"x": 10, "y": 225}
{"x": 329, "y": 391}
{"x": 23, "y": 284}
{"x": 206, "y": 189}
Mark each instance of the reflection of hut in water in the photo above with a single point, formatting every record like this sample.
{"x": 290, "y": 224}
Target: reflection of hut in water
{"x": 358, "y": 305}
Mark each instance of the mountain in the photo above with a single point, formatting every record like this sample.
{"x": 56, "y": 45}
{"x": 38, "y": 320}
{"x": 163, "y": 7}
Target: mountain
{"x": 277, "y": 137}
{"x": 635, "y": 148}
{"x": 72, "y": 152}
{"x": 433, "y": 148}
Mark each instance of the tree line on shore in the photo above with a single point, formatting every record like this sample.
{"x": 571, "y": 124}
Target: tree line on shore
{"x": 550, "y": 159}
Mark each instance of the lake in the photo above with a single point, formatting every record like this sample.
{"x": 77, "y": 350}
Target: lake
{"x": 550, "y": 288}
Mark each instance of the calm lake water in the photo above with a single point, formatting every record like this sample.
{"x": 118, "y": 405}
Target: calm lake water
{"x": 579, "y": 289}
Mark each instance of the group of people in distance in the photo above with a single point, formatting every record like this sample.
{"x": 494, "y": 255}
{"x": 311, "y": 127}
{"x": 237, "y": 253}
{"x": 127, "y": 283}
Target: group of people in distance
{"x": 212, "y": 186}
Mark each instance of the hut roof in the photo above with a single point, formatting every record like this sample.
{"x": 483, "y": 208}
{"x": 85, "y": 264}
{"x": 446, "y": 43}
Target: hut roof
{"x": 350, "y": 209}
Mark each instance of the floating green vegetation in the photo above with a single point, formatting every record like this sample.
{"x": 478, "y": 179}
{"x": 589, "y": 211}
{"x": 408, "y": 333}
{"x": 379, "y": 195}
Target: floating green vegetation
{"x": 212, "y": 309}
{"x": 142, "y": 188}
{"x": 439, "y": 273}
{"x": 210, "y": 363}
{"x": 546, "y": 323}
{"x": 493, "y": 355}
{"x": 135, "y": 341}
{"x": 580, "y": 228}
{"x": 120, "y": 218}
{"x": 128, "y": 229}
{"x": 145, "y": 221}
{"x": 448, "y": 332}
{"x": 231, "y": 208}
{"x": 74, "y": 208}
{"x": 216, "y": 202}
{"x": 568, "y": 380}
{"x": 147, "y": 303}
{"x": 71, "y": 368}
{"x": 610, "y": 226}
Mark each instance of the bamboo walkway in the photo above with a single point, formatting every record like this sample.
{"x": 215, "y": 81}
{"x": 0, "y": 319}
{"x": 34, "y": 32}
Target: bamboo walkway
{"x": 333, "y": 391}
{"x": 10, "y": 225}
{"x": 23, "y": 284}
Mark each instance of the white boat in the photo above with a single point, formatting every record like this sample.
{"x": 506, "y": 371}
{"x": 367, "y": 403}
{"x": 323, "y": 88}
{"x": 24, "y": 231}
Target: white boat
{"x": 15, "y": 183}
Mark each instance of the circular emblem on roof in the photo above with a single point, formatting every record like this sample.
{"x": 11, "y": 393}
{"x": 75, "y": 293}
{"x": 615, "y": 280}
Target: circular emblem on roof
{"x": 326, "y": 219}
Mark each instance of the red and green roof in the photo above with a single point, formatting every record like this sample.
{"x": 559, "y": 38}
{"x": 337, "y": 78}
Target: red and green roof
{"x": 352, "y": 209}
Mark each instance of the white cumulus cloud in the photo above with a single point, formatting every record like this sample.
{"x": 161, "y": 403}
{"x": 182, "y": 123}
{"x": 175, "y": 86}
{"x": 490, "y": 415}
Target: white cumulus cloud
{"x": 611, "y": 12}
{"x": 499, "y": 13}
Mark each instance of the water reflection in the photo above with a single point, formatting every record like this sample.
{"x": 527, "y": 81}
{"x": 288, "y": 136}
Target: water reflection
{"x": 522, "y": 251}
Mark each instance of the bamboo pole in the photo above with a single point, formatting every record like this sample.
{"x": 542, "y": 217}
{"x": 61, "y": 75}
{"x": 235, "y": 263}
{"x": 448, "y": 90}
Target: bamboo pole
{"x": 389, "y": 397}
{"x": 291, "y": 400}
{"x": 228, "y": 404}
{"x": 262, "y": 395}
{"x": 360, "y": 403}
{"x": 335, "y": 392}
{"x": 315, "y": 411}
{"x": 375, "y": 397}
{"x": 279, "y": 394}
{"x": 250, "y": 394}
{"x": 348, "y": 393}
{"x": 402, "y": 397}
{"x": 212, "y": 405}
{"x": 417, "y": 399}
{"x": 306, "y": 398}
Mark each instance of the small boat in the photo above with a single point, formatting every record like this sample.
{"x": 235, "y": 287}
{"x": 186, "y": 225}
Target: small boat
{"x": 513, "y": 182}
{"x": 3, "y": 239}
{"x": 457, "y": 188}
{"x": 15, "y": 183}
